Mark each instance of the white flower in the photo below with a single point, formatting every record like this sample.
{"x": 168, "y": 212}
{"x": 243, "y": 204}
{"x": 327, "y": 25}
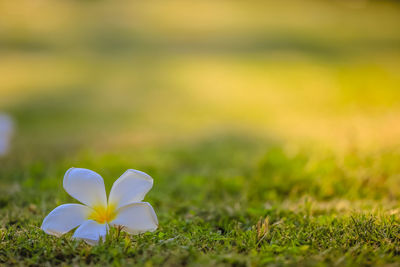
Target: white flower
{"x": 6, "y": 131}
{"x": 93, "y": 219}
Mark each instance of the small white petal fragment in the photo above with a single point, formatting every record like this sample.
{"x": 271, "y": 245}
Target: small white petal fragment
{"x": 136, "y": 218}
{"x": 131, "y": 187}
{"x": 86, "y": 186}
{"x": 6, "y": 131}
{"x": 91, "y": 232}
{"x": 64, "y": 218}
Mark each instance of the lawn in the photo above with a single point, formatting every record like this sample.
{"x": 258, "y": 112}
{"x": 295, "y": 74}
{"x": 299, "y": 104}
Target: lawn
{"x": 271, "y": 130}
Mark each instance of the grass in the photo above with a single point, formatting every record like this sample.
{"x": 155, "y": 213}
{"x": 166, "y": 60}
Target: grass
{"x": 223, "y": 200}
{"x": 272, "y": 138}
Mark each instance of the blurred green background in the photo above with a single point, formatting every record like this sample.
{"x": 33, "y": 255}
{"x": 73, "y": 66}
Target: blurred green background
{"x": 95, "y": 73}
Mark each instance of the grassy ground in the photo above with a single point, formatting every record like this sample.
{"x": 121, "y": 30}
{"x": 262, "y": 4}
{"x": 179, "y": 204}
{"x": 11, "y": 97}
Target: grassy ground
{"x": 272, "y": 139}
{"x": 220, "y": 200}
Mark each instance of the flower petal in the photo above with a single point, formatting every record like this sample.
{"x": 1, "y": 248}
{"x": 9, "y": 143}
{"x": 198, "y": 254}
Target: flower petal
{"x": 6, "y": 130}
{"x": 131, "y": 187}
{"x": 64, "y": 218}
{"x": 91, "y": 232}
{"x": 136, "y": 218}
{"x": 86, "y": 186}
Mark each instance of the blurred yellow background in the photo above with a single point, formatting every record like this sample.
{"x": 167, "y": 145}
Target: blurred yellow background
{"x": 116, "y": 73}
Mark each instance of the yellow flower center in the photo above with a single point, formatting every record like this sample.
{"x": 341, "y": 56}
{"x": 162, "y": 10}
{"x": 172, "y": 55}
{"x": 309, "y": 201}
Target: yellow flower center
{"x": 102, "y": 214}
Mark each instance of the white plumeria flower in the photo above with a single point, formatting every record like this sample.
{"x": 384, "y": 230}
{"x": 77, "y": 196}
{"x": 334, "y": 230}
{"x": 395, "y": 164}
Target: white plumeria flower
{"x": 93, "y": 219}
